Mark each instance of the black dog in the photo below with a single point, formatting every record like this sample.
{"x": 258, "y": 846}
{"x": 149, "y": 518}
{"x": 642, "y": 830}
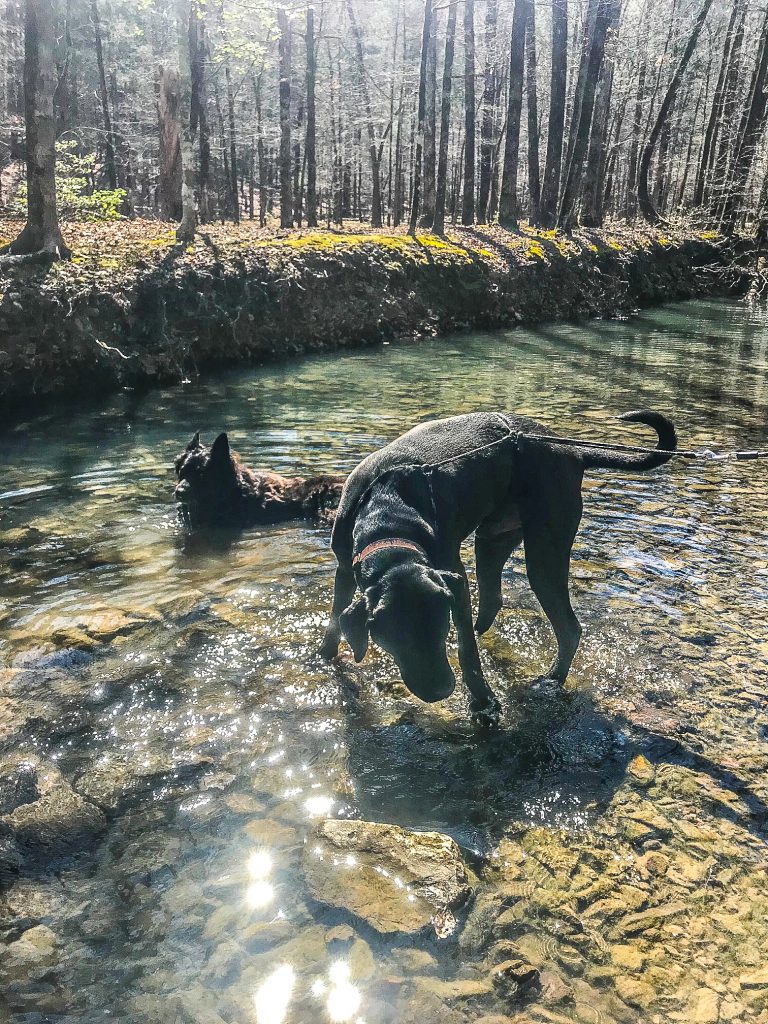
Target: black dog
{"x": 407, "y": 508}
{"x": 216, "y": 490}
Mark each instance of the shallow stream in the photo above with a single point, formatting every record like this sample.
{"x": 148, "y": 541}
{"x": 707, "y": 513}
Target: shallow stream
{"x": 163, "y": 703}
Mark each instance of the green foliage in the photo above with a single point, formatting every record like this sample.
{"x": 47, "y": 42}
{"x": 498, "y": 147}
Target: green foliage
{"x": 75, "y": 198}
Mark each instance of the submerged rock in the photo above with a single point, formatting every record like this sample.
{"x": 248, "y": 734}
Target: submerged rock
{"x": 394, "y": 879}
{"x": 58, "y": 823}
{"x": 18, "y": 785}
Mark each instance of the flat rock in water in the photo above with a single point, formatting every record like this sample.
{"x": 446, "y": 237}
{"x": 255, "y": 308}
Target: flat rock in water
{"x": 394, "y": 879}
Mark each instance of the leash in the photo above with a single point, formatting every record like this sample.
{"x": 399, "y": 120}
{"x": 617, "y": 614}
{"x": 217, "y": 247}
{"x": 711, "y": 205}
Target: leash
{"x": 682, "y": 453}
{"x": 746, "y": 455}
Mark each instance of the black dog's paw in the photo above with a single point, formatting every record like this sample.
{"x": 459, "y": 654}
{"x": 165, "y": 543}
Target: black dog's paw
{"x": 547, "y": 686}
{"x": 329, "y": 649}
{"x": 485, "y": 619}
{"x": 487, "y": 716}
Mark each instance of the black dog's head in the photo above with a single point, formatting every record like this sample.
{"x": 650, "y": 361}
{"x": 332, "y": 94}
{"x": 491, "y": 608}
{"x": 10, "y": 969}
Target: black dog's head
{"x": 407, "y": 613}
{"x": 208, "y": 489}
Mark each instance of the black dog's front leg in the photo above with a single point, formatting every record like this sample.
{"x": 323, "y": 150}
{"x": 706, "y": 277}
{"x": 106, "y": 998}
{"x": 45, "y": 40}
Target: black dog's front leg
{"x": 343, "y": 591}
{"x": 483, "y": 701}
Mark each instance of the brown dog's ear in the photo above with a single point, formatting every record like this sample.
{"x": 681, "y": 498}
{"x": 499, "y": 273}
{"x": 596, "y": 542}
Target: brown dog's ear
{"x": 194, "y": 443}
{"x": 220, "y": 449}
{"x": 354, "y": 627}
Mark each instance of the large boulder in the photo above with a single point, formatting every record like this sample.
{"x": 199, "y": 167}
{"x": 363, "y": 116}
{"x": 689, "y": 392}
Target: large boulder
{"x": 394, "y": 879}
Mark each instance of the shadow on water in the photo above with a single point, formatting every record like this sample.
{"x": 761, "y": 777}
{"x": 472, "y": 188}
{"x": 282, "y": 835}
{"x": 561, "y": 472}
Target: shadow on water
{"x": 560, "y": 760}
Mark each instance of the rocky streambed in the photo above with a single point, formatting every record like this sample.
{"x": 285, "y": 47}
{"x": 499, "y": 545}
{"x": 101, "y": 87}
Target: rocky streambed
{"x": 200, "y": 821}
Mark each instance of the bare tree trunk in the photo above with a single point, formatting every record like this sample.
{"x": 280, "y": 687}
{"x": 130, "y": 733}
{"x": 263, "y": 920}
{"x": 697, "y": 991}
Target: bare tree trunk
{"x": 605, "y": 17}
{"x": 729, "y": 123}
{"x": 185, "y": 13}
{"x": 718, "y": 100}
{"x": 509, "y": 206}
{"x": 594, "y": 179}
{"x": 376, "y": 210}
{"x": 41, "y": 233}
{"x": 198, "y": 106}
{"x": 534, "y": 173}
{"x": 232, "y": 143}
{"x": 286, "y": 189}
{"x": 468, "y": 201}
{"x": 260, "y": 155}
{"x": 750, "y": 131}
{"x": 630, "y": 206}
{"x": 426, "y": 33}
{"x": 311, "y": 140}
{"x": 647, "y": 209}
{"x": 430, "y": 131}
{"x": 489, "y": 112}
{"x": 552, "y": 170}
{"x": 298, "y": 210}
{"x": 109, "y": 139}
{"x": 169, "y": 171}
{"x": 438, "y": 224}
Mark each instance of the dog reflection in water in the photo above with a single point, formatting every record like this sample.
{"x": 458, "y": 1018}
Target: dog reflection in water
{"x": 216, "y": 491}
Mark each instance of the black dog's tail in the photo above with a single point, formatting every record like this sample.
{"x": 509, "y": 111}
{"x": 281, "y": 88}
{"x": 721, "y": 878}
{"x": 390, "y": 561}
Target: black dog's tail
{"x": 597, "y": 459}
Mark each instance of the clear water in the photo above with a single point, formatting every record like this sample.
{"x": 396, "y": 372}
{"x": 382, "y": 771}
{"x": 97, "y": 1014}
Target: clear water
{"x": 178, "y": 688}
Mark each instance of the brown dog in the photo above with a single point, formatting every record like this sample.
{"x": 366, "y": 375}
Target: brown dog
{"x": 216, "y": 490}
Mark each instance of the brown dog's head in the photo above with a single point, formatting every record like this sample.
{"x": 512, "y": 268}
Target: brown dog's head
{"x": 407, "y": 613}
{"x": 208, "y": 488}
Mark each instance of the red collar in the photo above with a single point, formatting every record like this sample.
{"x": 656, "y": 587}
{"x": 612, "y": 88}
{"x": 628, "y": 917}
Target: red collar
{"x": 380, "y": 545}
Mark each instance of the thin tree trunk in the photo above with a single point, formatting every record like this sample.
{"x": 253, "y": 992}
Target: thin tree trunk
{"x": 232, "y": 143}
{"x": 41, "y": 233}
{"x": 630, "y": 206}
{"x": 534, "y": 173}
{"x": 169, "y": 170}
{"x": 468, "y": 201}
{"x": 438, "y": 224}
{"x": 262, "y": 164}
{"x": 372, "y": 145}
{"x": 710, "y": 136}
{"x": 185, "y": 232}
{"x": 647, "y": 209}
{"x": 430, "y": 131}
{"x": 551, "y": 187}
{"x": 311, "y": 140}
{"x": 109, "y": 139}
{"x": 594, "y": 179}
{"x": 489, "y": 112}
{"x": 750, "y": 131}
{"x": 198, "y": 106}
{"x": 729, "y": 121}
{"x": 509, "y": 206}
{"x": 605, "y": 17}
{"x": 286, "y": 190}
{"x": 426, "y": 33}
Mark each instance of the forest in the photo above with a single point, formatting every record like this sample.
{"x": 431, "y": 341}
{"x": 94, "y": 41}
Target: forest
{"x": 420, "y": 114}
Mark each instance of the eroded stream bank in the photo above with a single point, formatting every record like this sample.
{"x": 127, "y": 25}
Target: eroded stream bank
{"x": 171, "y": 745}
{"x": 132, "y": 310}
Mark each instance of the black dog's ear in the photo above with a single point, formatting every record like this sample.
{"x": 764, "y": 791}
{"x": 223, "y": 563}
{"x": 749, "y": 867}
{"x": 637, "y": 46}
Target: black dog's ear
{"x": 194, "y": 443}
{"x": 220, "y": 449}
{"x": 454, "y": 582}
{"x": 354, "y": 627}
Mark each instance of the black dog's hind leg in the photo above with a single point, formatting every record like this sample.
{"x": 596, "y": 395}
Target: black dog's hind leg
{"x": 548, "y": 542}
{"x": 491, "y": 554}
{"x": 343, "y": 591}
{"x": 484, "y": 704}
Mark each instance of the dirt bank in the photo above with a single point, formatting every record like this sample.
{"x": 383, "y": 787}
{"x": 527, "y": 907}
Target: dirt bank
{"x": 131, "y": 309}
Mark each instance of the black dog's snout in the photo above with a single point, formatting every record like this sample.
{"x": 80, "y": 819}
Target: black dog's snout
{"x": 182, "y": 491}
